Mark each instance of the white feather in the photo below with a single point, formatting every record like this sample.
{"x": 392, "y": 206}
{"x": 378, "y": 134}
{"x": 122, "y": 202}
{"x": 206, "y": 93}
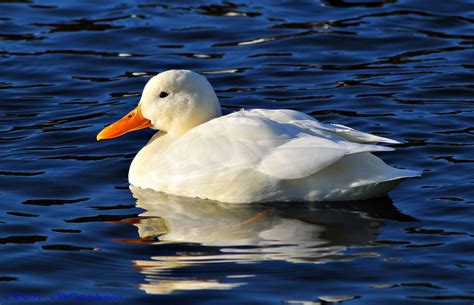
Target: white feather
{"x": 256, "y": 155}
{"x": 245, "y": 156}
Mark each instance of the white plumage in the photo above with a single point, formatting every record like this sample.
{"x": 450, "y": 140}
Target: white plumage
{"x": 249, "y": 156}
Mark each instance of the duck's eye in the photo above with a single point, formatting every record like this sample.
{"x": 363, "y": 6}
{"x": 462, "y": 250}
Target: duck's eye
{"x": 163, "y": 94}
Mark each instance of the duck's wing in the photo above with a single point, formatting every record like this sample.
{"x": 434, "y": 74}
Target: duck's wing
{"x": 306, "y": 155}
{"x": 306, "y": 121}
{"x": 281, "y": 144}
{"x": 355, "y": 135}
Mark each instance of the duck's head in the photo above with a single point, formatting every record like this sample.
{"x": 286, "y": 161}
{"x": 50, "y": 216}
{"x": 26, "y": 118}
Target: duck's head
{"x": 174, "y": 101}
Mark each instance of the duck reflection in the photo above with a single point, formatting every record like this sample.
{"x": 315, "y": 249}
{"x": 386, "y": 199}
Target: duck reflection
{"x": 249, "y": 233}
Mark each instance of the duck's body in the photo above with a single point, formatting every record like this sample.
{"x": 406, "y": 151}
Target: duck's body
{"x": 258, "y": 155}
{"x": 266, "y": 155}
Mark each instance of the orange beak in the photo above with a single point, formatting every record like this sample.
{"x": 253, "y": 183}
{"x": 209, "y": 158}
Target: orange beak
{"x": 134, "y": 120}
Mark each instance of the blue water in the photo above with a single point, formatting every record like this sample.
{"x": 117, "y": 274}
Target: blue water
{"x": 71, "y": 227}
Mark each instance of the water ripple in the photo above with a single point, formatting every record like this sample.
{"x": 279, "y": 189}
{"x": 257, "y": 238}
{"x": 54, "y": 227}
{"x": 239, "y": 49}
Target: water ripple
{"x": 69, "y": 222}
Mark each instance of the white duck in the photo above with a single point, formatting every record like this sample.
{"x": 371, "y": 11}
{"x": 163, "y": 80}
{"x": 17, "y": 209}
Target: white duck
{"x": 247, "y": 156}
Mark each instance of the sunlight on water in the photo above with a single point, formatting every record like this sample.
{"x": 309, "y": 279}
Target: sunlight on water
{"x": 70, "y": 224}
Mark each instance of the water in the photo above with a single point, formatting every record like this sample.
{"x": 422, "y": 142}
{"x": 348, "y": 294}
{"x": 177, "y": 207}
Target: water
{"x": 70, "y": 225}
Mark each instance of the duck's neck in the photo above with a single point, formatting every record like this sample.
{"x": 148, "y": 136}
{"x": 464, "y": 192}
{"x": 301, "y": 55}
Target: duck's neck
{"x": 194, "y": 119}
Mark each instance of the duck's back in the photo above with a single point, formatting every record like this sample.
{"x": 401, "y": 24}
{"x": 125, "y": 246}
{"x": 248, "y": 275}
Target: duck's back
{"x": 267, "y": 155}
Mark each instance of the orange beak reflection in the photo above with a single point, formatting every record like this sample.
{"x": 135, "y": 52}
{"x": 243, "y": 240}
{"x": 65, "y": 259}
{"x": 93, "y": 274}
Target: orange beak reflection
{"x": 134, "y": 120}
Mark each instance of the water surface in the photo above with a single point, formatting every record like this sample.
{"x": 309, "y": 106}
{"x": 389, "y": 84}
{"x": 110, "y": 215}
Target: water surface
{"x": 70, "y": 224}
